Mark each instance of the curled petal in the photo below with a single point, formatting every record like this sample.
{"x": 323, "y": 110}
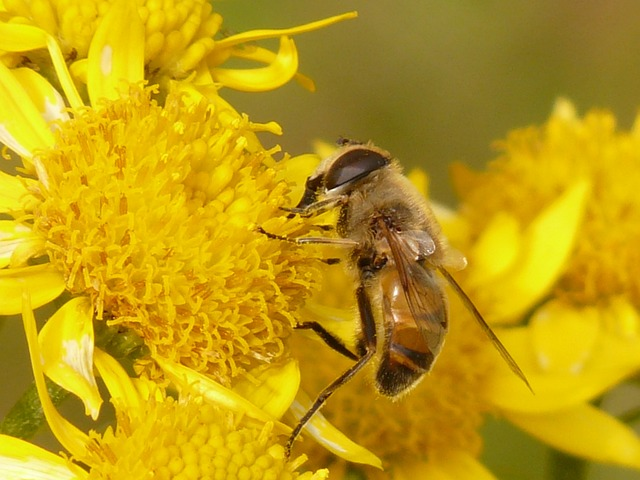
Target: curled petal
{"x": 66, "y": 342}
{"x": 71, "y": 438}
{"x": 584, "y": 431}
{"x": 120, "y": 386}
{"x": 279, "y": 72}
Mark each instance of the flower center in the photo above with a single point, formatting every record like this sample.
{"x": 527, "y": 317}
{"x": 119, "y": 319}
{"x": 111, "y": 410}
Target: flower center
{"x": 151, "y": 212}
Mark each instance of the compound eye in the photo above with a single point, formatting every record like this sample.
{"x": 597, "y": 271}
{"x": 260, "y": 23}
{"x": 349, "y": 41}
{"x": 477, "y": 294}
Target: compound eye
{"x": 354, "y": 165}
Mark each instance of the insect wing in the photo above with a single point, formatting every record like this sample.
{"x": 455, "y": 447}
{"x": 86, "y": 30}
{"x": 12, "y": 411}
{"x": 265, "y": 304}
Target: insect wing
{"x": 415, "y": 314}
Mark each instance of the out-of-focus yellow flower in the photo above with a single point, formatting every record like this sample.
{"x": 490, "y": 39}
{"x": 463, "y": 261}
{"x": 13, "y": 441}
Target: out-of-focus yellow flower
{"x": 213, "y": 434}
{"x": 551, "y": 230}
{"x": 160, "y": 42}
{"x": 549, "y": 236}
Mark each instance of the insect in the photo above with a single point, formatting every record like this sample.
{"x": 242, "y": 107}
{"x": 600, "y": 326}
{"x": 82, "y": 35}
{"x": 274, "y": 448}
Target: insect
{"x": 396, "y": 250}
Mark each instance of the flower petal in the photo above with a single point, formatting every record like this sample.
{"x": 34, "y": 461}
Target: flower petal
{"x": 330, "y": 437}
{"x": 120, "y": 386}
{"x": 18, "y": 243}
{"x": 66, "y": 343}
{"x": 584, "y": 431}
{"x": 455, "y": 465}
{"x": 272, "y": 389}
{"x": 42, "y": 94}
{"x": 116, "y": 53}
{"x": 187, "y": 379}
{"x": 42, "y": 282}
{"x": 23, "y": 38}
{"x": 254, "y": 35}
{"x": 546, "y": 245}
{"x": 613, "y": 359}
{"x": 279, "y": 72}
{"x": 563, "y": 337}
{"x": 22, "y": 126}
{"x": 20, "y": 460}
{"x": 12, "y": 191}
{"x": 71, "y": 438}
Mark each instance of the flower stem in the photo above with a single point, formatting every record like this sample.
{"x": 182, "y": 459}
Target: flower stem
{"x": 26, "y": 416}
{"x": 566, "y": 467}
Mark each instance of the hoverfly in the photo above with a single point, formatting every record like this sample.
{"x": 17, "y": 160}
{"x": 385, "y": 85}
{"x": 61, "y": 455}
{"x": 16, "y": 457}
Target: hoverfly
{"x": 397, "y": 250}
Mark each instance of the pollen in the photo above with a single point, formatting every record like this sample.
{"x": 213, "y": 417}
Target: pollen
{"x": 186, "y": 439}
{"x": 151, "y": 212}
{"x": 537, "y": 164}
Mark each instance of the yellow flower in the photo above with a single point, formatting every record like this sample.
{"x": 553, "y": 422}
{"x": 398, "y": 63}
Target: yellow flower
{"x": 149, "y": 214}
{"x": 542, "y": 234}
{"x": 551, "y": 230}
{"x": 160, "y": 42}
{"x": 214, "y": 435}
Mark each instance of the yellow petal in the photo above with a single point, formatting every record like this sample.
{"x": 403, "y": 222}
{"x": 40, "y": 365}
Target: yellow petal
{"x": 116, "y": 53}
{"x": 23, "y": 38}
{"x": 584, "y": 431}
{"x": 20, "y": 460}
{"x": 187, "y": 379}
{"x": 340, "y": 322}
{"x": 66, "y": 342}
{"x": 330, "y": 437}
{"x": 563, "y": 337}
{"x": 71, "y": 438}
{"x": 120, "y": 385}
{"x": 496, "y": 250}
{"x": 255, "y": 35}
{"x": 12, "y": 192}
{"x": 18, "y": 243}
{"x": 273, "y": 389}
{"x": 46, "y": 98}
{"x": 455, "y": 465}
{"x": 613, "y": 359}
{"x": 22, "y": 127}
{"x": 279, "y": 72}
{"x": 42, "y": 282}
{"x": 546, "y": 246}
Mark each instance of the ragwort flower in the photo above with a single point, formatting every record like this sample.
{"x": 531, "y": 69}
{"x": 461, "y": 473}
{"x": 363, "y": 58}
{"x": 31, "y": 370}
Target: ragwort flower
{"x": 551, "y": 230}
{"x": 130, "y": 40}
{"x": 217, "y": 434}
{"x": 547, "y": 259}
{"x": 148, "y": 213}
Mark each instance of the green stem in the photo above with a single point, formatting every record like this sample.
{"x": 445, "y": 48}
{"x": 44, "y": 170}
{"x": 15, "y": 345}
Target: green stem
{"x": 26, "y": 416}
{"x": 566, "y": 467}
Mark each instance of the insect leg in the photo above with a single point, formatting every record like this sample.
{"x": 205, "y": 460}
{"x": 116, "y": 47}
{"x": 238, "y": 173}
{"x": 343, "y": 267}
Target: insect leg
{"x": 328, "y": 338}
{"x": 369, "y": 332}
{"x": 343, "y": 242}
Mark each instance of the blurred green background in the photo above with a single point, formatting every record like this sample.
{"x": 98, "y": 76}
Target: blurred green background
{"x": 435, "y": 82}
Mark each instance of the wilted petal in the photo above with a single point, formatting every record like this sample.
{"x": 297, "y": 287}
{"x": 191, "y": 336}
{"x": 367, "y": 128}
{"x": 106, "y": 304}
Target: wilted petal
{"x": 66, "y": 342}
